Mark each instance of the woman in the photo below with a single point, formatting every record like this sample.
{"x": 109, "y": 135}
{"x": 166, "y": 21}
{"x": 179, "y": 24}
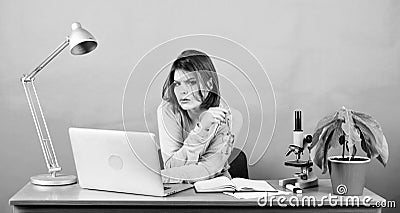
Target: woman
{"x": 194, "y": 131}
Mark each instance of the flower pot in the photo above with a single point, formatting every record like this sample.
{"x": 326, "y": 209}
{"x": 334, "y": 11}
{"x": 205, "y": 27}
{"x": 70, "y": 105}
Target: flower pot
{"x": 348, "y": 177}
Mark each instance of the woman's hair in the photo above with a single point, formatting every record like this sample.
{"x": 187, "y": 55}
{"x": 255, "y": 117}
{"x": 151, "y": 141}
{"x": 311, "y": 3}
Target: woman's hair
{"x": 201, "y": 64}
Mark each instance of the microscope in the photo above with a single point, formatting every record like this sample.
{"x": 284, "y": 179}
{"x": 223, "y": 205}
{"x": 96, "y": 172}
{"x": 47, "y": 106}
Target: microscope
{"x": 305, "y": 178}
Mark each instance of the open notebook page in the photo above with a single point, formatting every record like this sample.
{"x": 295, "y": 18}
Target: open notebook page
{"x": 252, "y": 185}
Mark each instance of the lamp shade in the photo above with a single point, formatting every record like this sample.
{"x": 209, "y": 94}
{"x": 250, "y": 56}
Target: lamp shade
{"x": 80, "y": 40}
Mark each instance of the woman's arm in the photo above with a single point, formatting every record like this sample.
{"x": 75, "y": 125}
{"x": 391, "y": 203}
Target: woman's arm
{"x": 210, "y": 164}
{"x": 176, "y": 153}
{"x": 169, "y": 131}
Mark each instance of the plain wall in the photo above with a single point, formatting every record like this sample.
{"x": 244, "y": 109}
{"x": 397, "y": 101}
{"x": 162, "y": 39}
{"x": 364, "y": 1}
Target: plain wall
{"x": 319, "y": 56}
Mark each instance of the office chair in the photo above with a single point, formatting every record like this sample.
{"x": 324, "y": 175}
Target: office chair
{"x": 238, "y": 164}
{"x": 237, "y": 160}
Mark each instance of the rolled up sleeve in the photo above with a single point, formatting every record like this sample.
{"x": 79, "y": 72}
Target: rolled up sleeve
{"x": 212, "y": 163}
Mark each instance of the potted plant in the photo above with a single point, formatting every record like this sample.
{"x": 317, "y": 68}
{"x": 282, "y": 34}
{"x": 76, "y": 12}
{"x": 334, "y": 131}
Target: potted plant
{"x": 348, "y": 128}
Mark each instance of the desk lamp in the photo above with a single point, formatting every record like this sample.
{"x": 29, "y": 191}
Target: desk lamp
{"x": 80, "y": 42}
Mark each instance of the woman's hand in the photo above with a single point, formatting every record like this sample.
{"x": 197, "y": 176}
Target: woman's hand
{"x": 214, "y": 115}
{"x": 208, "y": 124}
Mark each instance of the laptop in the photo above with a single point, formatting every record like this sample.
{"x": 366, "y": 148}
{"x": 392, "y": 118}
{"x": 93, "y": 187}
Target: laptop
{"x": 119, "y": 161}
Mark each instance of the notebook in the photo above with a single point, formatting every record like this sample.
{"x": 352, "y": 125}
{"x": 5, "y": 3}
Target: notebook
{"x": 224, "y": 184}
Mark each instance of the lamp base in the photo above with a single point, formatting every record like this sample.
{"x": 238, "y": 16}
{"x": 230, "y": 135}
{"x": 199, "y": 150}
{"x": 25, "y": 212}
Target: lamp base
{"x": 49, "y": 180}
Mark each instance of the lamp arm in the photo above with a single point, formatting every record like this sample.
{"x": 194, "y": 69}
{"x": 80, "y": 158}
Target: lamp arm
{"x": 55, "y": 53}
{"x": 37, "y": 112}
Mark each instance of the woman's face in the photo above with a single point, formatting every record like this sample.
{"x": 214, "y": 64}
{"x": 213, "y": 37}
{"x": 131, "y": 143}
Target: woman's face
{"x": 186, "y": 89}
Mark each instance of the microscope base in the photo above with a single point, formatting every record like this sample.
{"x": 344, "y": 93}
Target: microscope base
{"x": 312, "y": 181}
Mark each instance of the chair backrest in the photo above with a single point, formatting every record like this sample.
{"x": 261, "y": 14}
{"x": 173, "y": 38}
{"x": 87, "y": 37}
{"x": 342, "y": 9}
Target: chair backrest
{"x": 237, "y": 160}
{"x": 238, "y": 164}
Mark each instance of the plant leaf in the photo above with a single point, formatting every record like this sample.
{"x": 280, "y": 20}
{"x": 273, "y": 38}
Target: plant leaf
{"x": 319, "y": 149}
{"x": 336, "y": 135}
{"x": 372, "y": 130}
{"x": 363, "y": 144}
{"x": 326, "y": 148}
{"x": 324, "y": 122}
{"x": 325, "y": 141}
{"x": 381, "y": 160}
{"x": 369, "y": 139}
{"x": 354, "y": 151}
{"x": 351, "y": 133}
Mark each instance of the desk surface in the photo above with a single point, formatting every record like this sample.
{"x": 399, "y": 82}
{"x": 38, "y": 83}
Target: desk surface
{"x": 32, "y": 195}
